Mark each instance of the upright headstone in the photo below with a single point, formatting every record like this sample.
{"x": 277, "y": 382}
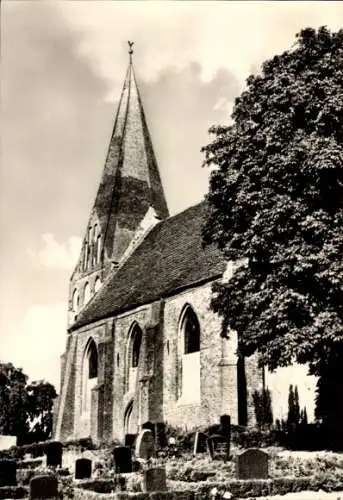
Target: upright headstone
{"x": 122, "y": 459}
{"x": 83, "y": 468}
{"x": 218, "y": 447}
{"x": 8, "y": 472}
{"x": 199, "y": 443}
{"x": 155, "y": 479}
{"x": 44, "y": 487}
{"x": 225, "y": 426}
{"x": 54, "y": 452}
{"x": 252, "y": 464}
{"x": 149, "y": 426}
{"x": 145, "y": 445}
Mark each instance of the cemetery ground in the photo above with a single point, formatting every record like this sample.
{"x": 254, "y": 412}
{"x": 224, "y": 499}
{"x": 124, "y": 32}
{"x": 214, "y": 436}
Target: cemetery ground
{"x": 292, "y": 475}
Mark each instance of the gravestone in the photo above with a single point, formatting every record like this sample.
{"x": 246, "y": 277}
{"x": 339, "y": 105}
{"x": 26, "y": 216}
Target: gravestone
{"x": 8, "y": 472}
{"x": 129, "y": 440}
{"x": 150, "y": 427}
{"x": 122, "y": 459}
{"x": 252, "y": 464}
{"x": 155, "y": 479}
{"x": 83, "y": 468}
{"x": 43, "y": 487}
{"x": 53, "y": 453}
{"x": 145, "y": 445}
{"x": 199, "y": 443}
{"x": 218, "y": 447}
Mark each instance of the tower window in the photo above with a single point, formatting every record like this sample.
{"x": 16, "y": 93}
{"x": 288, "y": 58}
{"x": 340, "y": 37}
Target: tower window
{"x": 75, "y": 300}
{"x": 86, "y": 294}
{"x": 97, "y": 284}
{"x": 98, "y": 248}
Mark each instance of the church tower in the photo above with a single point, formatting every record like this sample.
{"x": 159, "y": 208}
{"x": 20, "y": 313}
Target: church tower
{"x": 130, "y": 188}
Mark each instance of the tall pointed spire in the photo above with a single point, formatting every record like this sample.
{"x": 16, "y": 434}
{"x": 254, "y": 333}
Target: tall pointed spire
{"x": 131, "y": 181}
{"x": 130, "y": 186}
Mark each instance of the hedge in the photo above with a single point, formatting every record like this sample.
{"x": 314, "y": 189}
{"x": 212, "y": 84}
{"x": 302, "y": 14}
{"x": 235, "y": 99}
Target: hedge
{"x": 13, "y": 492}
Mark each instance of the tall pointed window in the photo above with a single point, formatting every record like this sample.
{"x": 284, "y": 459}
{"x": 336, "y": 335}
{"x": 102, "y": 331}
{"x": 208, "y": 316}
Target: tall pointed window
{"x": 133, "y": 354}
{"x": 86, "y": 294}
{"x": 98, "y": 248}
{"x": 189, "y": 357}
{"x": 97, "y": 284}
{"x": 89, "y": 375}
{"x": 94, "y": 246}
{"x": 75, "y": 300}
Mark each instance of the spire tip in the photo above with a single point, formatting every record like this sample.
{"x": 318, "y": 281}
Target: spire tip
{"x": 130, "y": 48}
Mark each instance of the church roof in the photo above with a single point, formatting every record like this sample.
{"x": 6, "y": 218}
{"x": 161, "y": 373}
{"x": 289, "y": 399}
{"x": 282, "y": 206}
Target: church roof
{"x": 170, "y": 258}
{"x": 130, "y": 182}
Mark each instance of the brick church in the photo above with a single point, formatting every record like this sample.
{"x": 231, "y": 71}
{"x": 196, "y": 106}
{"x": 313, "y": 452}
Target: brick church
{"x": 143, "y": 344}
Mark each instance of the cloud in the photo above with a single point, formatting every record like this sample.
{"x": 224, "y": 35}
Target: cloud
{"x": 236, "y": 35}
{"x": 38, "y": 343}
{"x": 180, "y": 108}
{"x": 57, "y": 255}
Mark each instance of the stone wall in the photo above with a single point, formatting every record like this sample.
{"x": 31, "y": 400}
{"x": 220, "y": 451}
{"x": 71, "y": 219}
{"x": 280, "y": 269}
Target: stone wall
{"x": 214, "y": 369}
{"x": 155, "y": 395}
{"x": 86, "y": 424}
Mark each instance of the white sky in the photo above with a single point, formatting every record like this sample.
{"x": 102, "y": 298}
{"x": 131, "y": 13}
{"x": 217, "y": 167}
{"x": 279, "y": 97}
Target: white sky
{"x": 62, "y": 67}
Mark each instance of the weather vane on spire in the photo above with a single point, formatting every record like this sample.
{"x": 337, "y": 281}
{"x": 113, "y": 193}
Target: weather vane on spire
{"x": 130, "y": 48}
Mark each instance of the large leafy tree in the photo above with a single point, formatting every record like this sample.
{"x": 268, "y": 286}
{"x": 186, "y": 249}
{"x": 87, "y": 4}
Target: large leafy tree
{"x": 25, "y": 410}
{"x": 275, "y": 205}
{"x": 41, "y": 397}
{"x": 13, "y": 401}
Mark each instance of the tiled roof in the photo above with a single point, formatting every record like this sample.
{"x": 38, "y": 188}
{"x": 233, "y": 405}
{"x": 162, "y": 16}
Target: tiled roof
{"x": 170, "y": 258}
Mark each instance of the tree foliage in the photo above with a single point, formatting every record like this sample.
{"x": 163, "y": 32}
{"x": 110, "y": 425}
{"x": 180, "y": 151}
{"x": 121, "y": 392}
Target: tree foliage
{"x": 263, "y": 408}
{"x": 275, "y": 205}
{"x": 293, "y": 416}
{"x": 25, "y": 409}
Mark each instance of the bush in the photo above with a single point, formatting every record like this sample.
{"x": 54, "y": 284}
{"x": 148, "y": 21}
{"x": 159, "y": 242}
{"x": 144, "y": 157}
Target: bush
{"x": 253, "y": 438}
{"x": 9, "y": 492}
{"x": 85, "y": 443}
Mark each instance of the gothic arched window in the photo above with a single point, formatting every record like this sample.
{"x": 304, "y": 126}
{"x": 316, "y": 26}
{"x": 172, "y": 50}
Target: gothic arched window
{"x": 92, "y": 360}
{"x": 97, "y": 284}
{"x": 86, "y": 294}
{"x": 188, "y": 372}
{"x": 191, "y": 331}
{"x": 75, "y": 300}
{"x": 89, "y": 375}
{"x": 136, "y": 345}
{"x": 98, "y": 248}
{"x": 133, "y": 353}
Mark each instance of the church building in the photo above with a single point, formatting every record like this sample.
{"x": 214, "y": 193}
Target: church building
{"x": 142, "y": 343}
